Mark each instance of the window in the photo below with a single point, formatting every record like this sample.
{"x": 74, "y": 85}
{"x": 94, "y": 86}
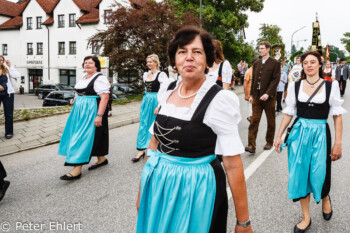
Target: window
{"x": 72, "y": 20}
{"x": 29, "y": 23}
{"x": 61, "y": 21}
{"x": 39, "y": 48}
{"x": 39, "y": 21}
{"x": 95, "y": 48}
{"x": 4, "y": 49}
{"x": 29, "y": 48}
{"x": 107, "y": 16}
{"x": 61, "y": 48}
{"x": 72, "y": 47}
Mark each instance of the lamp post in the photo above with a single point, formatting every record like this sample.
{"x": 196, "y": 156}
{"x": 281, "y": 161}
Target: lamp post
{"x": 291, "y": 46}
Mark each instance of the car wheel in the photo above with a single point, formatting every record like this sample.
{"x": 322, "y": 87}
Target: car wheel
{"x": 40, "y": 96}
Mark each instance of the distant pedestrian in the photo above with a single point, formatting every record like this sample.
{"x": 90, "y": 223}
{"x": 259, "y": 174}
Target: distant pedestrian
{"x": 298, "y": 62}
{"x": 311, "y": 99}
{"x": 246, "y": 87}
{"x": 244, "y": 70}
{"x": 280, "y": 89}
{"x": 328, "y": 72}
{"x": 4, "y": 184}
{"x": 153, "y": 80}
{"x": 266, "y": 76}
{"x": 86, "y": 131}
{"x": 221, "y": 71}
{"x": 110, "y": 99}
{"x": 233, "y": 80}
{"x": 342, "y": 73}
{"x": 8, "y": 99}
{"x": 240, "y": 71}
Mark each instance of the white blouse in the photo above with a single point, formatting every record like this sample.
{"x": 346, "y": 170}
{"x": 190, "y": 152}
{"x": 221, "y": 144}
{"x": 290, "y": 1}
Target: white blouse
{"x": 222, "y": 116}
{"x": 335, "y": 101}
{"x": 101, "y": 84}
{"x": 163, "y": 80}
{"x": 226, "y": 73}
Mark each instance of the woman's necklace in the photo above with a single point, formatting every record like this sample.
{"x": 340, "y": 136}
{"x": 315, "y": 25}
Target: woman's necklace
{"x": 312, "y": 84}
{"x": 185, "y": 97}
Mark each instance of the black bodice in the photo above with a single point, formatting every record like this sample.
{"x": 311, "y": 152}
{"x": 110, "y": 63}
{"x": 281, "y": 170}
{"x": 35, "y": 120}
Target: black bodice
{"x": 313, "y": 110}
{"x": 183, "y": 138}
{"x": 89, "y": 90}
{"x": 153, "y": 86}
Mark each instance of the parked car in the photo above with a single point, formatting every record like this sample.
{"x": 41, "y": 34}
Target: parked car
{"x": 44, "y": 90}
{"x": 58, "y": 98}
{"x": 122, "y": 89}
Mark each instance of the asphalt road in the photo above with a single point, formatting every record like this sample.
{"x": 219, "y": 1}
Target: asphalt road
{"x": 104, "y": 200}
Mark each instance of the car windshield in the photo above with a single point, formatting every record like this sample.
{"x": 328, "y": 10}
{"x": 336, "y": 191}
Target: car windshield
{"x": 65, "y": 87}
{"x": 68, "y": 96}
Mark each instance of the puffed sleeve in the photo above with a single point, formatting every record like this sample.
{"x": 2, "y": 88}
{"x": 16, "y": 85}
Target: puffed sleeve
{"x": 144, "y": 77}
{"x": 335, "y": 101}
{"x": 223, "y": 116}
{"x": 164, "y": 83}
{"x": 291, "y": 108}
{"x": 226, "y": 72}
{"x": 102, "y": 85}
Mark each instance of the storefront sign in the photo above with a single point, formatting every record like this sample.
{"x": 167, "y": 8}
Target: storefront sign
{"x": 33, "y": 62}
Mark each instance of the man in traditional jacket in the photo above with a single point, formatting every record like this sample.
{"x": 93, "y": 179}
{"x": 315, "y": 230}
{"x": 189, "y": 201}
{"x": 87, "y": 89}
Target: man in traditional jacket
{"x": 342, "y": 73}
{"x": 266, "y": 76}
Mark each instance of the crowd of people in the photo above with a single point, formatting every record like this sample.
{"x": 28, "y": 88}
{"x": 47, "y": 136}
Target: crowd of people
{"x": 188, "y": 131}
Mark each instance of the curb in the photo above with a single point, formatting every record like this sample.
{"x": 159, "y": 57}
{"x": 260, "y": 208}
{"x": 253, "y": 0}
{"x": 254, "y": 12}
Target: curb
{"x": 111, "y": 125}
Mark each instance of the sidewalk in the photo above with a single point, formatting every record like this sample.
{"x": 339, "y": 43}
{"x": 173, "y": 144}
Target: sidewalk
{"x": 48, "y": 130}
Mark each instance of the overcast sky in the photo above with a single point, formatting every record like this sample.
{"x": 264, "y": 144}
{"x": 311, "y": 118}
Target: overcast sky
{"x": 291, "y": 15}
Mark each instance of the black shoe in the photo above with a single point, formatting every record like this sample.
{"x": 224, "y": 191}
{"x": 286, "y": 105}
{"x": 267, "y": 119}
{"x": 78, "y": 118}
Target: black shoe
{"x": 328, "y": 216}
{"x": 8, "y": 136}
{"x": 92, "y": 167}
{"x": 297, "y": 230}
{"x": 250, "y": 149}
{"x": 4, "y": 189}
{"x": 135, "y": 160}
{"x": 71, "y": 177}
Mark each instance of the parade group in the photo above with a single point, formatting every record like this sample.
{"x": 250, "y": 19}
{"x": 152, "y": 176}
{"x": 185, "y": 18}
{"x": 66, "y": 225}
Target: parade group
{"x": 188, "y": 131}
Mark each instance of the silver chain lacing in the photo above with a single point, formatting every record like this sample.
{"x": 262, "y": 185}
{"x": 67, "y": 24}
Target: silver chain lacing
{"x": 161, "y": 134}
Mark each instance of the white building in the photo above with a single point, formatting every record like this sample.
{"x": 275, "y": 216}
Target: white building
{"x": 46, "y": 40}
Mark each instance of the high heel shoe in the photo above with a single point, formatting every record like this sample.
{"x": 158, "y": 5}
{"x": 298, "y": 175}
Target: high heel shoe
{"x": 298, "y": 230}
{"x": 135, "y": 160}
{"x": 328, "y": 216}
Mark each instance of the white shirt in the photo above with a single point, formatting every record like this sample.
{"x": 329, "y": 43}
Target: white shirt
{"x": 335, "y": 101}
{"x": 222, "y": 116}
{"x": 12, "y": 74}
{"x": 101, "y": 84}
{"x": 226, "y": 73}
{"x": 341, "y": 70}
{"x": 163, "y": 80}
{"x": 296, "y": 65}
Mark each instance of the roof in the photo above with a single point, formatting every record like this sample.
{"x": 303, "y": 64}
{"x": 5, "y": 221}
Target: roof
{"x": 92, "y": 17}
{"x": 138, "y": 3}
{"x": 49, "y": 21}
{"x": 87, "y": 5}
{"x": 12, "y": 9}
{"x": 13, "y": 23}
{"x": 48, "y": 5}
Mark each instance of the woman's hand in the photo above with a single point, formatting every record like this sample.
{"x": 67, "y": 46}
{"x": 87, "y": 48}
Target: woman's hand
{"x": 71, "y": 102}
{"x": 98, "y": 121}
{"x": 244, "y": 229}
{"x": 1, "y": 88}
{"x": 246, "y": 97}
{"x": 278, "y": 144}
{"x": 156, "y": 110}
{"x": 336, "y": 152}
{"x": 138, "y": 203}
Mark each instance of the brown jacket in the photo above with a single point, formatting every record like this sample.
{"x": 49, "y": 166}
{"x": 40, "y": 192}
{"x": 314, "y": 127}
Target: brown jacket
{"x": 268, "y": 75}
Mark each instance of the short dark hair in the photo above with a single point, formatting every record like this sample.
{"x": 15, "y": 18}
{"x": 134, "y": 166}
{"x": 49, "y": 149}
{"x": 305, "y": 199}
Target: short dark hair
{"x": 318, "y": 56}
{"x": 95, "y": 60}
{"x": 266, "y": 43}
{"x": 185, "y": 36}
{"x": 342, "y": 59}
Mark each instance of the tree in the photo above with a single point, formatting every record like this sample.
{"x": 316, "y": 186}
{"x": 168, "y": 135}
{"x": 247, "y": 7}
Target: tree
{"x": 346, "y": 41}
{"x": 225, "y": 20}
{"x": 335, "y": 53}
{"x": 133, "y": 34}
{"x": 271, "y": 34}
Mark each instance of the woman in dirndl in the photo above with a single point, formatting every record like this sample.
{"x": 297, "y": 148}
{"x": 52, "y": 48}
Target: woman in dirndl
{"x": 309, "y": 142}
{"x": 221, "y": 71}
{"x": 183, "y": 185}
{"x": 86, "y": 131}
{"x": 328, "y": 72}
{"x": 153, "y": 80}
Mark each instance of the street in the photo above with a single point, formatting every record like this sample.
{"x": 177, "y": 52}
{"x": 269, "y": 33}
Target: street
{"x": 104, "y": 200}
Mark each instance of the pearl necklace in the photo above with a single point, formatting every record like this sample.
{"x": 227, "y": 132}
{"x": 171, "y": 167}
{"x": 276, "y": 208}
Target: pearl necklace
{"x": 185, "y": 97}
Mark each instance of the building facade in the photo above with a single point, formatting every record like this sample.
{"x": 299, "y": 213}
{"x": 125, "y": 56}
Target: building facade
{"x": 47, "y": 40}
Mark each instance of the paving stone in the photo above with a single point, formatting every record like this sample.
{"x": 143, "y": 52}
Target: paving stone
{"x": 50, "y": 139}
{"x": 30, "y": 138}
{"x": 29, "y": 144}
{"x": 8, "y": 149}
{"x": 10, "y": 142}
{"x": 32, "y": 132}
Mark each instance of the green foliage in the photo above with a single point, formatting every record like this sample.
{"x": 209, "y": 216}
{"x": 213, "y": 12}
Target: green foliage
{"x": 295, "y": 54}
{"x": 346, "y": 41}
{"x": 335, "y": 53}
{"x": 270, "y": 33}
{"x": 225, "y": 20}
